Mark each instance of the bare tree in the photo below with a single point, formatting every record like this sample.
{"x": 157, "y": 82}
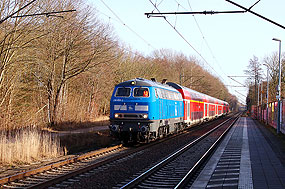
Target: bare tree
{"x": 16, "y": 35}
{"x": 254, "y": 73}
{"x": 74, "y": 45}
{"x": 272, "y": 62}
{"x": 56, "y": 66}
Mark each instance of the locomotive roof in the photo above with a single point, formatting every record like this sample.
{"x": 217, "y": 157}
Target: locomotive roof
{"x": 140, "y": 82}
{"x": 197, "y": 95}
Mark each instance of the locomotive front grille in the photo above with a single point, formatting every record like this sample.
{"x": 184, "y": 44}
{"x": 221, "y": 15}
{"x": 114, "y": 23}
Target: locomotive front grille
{"x": 131, "y": 116}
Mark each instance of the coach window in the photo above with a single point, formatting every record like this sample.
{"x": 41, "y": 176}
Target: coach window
{"x": 172, "y": 96}
{"x": 141, "y": 92}
{"x": 168, "y": 96}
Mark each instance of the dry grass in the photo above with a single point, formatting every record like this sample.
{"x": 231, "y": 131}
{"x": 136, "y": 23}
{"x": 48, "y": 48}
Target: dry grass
{"x": 74, "y": 125}
{"x": 81, "y": 142}
{"x": 25, "y": 146}
{"x": 29, "y": 145}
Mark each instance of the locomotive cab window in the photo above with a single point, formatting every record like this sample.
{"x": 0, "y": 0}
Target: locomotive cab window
{"x": 141, "y": 92}
{"x": 123, "y": 92}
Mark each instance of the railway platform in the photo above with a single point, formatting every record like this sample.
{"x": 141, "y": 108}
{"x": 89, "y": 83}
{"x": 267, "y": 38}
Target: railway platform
{"x": 250, "y": 156}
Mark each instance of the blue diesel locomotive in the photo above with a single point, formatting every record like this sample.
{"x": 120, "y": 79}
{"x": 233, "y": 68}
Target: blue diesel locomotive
{"x": 143, "y": 110}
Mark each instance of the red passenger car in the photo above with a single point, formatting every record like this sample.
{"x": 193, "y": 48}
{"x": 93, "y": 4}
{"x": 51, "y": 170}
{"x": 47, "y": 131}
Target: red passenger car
{"x": 198, "y": 106}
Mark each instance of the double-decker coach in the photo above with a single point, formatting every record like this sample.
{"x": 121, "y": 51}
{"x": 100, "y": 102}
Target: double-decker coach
{"x": 199, "y": 107}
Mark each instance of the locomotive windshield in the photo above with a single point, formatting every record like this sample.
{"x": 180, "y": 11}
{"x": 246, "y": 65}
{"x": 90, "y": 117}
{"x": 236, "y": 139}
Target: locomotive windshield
{"x": 141, "y": 92}
{"x": 123, "y": 92}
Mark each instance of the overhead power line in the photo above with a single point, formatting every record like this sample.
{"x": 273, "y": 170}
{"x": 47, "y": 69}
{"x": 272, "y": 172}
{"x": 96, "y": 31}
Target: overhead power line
{"x": 116, "y": 20}
{"x": 203, "y": 37}
{"x": 235, "y": 86}
{"x": 9, "y": 16}
{"x": 123, "y": 23}
{"x": 237, "y": 81}
{"x": 151, "y": 14}
{"x": 241, "y": 94}
{"x": 185, "y": 40}
{"x": 36, "y": 14}
{"x": 256, "y": 14}
{"x": 44, "y": 13}
{"x": 238, "y": 76}
{"x": 245, "y": 10}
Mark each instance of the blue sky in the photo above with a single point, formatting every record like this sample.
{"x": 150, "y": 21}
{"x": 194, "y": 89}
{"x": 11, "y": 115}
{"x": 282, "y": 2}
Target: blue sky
{"x": 226, "y": 41}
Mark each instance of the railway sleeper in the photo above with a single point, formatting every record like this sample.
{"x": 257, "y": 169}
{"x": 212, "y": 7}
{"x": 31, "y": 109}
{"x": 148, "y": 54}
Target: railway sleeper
{"x": 173, "y": 178}
{"x": 156, "y": 184}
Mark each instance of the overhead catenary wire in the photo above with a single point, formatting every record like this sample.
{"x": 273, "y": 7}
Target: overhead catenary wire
{"x": 180, "y": 34}
{"x": 203, "y": 36}
{"x": 245, "y": 10}
{"x": 116, "y": 20}
{"x": 161, "y": 15}
{"x": 206, "y": 42}
{"x": 9, "y": 16}
{"x": 256, "y": 14}
{"x": 155, "y": 5}
{"x": 124, "y": 24}
{"x": 52, "y": 13}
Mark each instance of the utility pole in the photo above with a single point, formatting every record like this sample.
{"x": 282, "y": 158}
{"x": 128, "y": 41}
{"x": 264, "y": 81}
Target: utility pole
{"x": 279, "y": 89}
{"x": 257, "y": 94}
{"x": 267, "y": 96}
{"x": 261, "y": 91}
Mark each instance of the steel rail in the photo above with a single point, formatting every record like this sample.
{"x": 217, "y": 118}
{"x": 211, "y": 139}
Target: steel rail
{"x": 50, "y": 182}
{"x": 22, "y": 175}
{"x": 75, "y": 172}
{"x": 148, "y": 172}
{"x": 203, "y": 159}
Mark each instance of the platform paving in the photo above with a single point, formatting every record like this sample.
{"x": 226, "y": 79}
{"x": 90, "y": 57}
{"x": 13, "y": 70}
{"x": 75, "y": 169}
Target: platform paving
{"x": 248, "y": 157}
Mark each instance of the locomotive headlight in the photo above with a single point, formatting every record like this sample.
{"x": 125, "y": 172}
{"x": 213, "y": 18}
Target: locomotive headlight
{"x": 116, "y": 115}
{"x": 145, "y": 116}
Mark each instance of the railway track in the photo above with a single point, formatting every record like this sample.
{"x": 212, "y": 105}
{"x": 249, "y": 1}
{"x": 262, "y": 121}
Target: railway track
{"x": 55, "y": 172}
{"x": 65, "y": 172}
{"x": 176, "y": 170}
